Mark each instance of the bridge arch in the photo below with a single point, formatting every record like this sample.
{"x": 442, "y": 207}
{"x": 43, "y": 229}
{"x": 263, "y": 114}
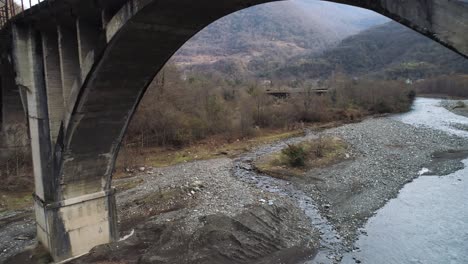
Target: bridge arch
{"x": 142, "y": 36}
{"x": 86, "y": 76}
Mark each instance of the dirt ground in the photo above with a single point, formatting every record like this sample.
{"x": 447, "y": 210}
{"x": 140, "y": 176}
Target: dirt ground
{"x": 203, "y": 212}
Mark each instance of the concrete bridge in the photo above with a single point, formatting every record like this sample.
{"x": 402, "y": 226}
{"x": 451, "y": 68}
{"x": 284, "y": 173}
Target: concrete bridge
{"x": 81, "y": 68}
{"x": 282, "y": 94}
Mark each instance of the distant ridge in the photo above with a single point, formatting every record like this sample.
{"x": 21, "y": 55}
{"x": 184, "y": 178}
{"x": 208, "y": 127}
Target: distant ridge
{"x": 386, "y": 51}
{"x": 260, "y": 37}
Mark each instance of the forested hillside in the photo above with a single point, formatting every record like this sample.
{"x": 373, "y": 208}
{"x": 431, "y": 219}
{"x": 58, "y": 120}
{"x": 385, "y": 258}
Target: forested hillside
{"x": 387, "y": 51}
{"x": 265, "y": 36}
{"x": 300, "y": 40}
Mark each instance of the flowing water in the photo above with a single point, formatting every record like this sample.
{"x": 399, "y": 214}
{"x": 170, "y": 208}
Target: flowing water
{"x": 428, "y": 221}
{"x": 331, "y": 244}
{"x": 428, "y": 113}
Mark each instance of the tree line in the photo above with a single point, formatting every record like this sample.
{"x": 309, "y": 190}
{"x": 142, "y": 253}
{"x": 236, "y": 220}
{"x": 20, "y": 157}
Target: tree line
{"x": 178, "y": 110}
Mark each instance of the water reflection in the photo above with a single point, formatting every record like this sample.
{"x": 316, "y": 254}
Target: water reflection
{"x": 428, "y": 221}
{"x": 428, "y": 113}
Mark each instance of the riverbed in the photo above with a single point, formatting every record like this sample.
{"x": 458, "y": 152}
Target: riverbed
{"x": 386, "y": 154}
{"x": 380, "y": 205}
{"x": 428, "y": 221}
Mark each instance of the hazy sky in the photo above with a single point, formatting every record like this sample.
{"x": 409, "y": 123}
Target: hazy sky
{"x": 26, "y": 2}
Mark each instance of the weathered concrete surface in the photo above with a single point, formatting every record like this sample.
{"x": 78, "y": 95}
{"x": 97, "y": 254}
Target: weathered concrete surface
{"x": 106, "y": 54}
{"x": 72, "y": 227}
{"x": 53, "y": 81}
{"x": 13, "y": 131}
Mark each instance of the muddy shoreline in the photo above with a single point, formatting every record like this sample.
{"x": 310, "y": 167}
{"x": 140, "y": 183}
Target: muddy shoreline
{"x": 222, "y": 211}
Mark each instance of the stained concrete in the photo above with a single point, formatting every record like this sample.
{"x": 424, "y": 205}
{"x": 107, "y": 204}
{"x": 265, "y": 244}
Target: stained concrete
{"x": 53, "y": 81}
{"x": 13, "y": 130}
{"x": 72, "y": 227}
{"x": 69, "y": 61}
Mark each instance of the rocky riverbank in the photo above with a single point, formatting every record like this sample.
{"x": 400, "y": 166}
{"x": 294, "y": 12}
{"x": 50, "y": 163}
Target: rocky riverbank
{"x": 386, "y": 155}
{"x": 198, "y": 213}
{"x": 222, "y": 211}
{"x": 459, "y": 107}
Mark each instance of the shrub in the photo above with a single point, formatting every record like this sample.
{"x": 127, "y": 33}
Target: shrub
{"x": 446, "y": 85}
{"x": 176, "y": 112}
{"x": 381, "y": 107}
{"x": 295, "y": 155}
{"x": 373, "y": 96}
{"x": 319, "y": 148}
{"x": 460, "y": 104}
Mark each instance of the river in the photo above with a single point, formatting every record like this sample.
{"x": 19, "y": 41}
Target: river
{"x": 428, "y": 221}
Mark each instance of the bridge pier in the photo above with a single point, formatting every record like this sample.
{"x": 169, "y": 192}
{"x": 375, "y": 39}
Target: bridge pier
{"x": 53, "y": 81}
{"x": 69, "y": 62}
{"x": 72, "y": 227}
{"x": 69, "y": 223}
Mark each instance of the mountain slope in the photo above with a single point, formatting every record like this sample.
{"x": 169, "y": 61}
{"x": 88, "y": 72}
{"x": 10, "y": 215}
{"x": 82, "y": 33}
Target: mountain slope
{"x": 390, "y": 51}
{"x": 273, "y": 32}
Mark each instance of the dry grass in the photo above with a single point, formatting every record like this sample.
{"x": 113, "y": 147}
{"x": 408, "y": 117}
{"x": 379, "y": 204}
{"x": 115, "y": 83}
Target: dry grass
{"x": 321, "y": 152}
{"x": 127, "y": 184}
{"x": 213, "y": 147}
{"x": 11, "y": 201}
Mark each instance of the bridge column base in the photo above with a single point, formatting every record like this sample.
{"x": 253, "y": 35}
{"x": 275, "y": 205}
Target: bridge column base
{"x": 72, "y": 227}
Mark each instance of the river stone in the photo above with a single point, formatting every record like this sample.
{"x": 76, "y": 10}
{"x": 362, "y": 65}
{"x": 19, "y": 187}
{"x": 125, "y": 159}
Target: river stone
{"x": 260, "y": 234}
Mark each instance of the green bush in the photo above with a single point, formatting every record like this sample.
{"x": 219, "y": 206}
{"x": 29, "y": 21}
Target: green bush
{"x": 295, "y": 155}
{"x": 460, "y": 104}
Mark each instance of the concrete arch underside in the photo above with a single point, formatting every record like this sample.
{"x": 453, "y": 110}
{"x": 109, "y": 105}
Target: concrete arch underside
{"x": 99, "y": 63}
